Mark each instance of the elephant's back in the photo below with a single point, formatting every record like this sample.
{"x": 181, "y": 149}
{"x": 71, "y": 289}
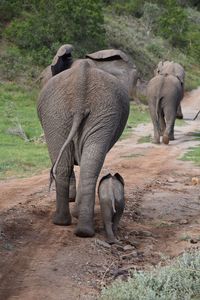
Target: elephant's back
{"x": 100, "y": 91}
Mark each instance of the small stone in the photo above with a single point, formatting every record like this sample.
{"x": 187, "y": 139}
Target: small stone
{"x": 129, "y": 255}
{"x": 102, "y": 243}
{"x": 128, "y": 247}
{"x": 147, "y": 233}
{"x": 133, "y": 242}
{"x": 183, "y": 222}
{"x": 195, "y": 180}
{"x": 194, "y": 241}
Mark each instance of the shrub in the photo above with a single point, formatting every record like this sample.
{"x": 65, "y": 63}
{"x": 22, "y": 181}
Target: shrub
{"x": 128, "y": 7}
{"x": 50, "y": 23}
{"x": 173, "y": 24}
{"x": 178, "y": 281}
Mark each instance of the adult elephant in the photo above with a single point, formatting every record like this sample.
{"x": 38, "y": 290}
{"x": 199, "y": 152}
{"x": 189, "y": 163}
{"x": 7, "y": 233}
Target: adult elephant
{"x": 83, "y": 111}
{"x": 118, "y": 64}
{"x": 175, "y": 69}
{"x": 164, "y": 93}
{"x": 113, "y": 61}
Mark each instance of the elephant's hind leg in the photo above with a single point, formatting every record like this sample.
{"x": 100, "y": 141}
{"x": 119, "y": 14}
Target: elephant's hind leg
{"x": 156, "y": 137}
{"x": 72, "y": 187}
{"x": 62, "y": 215}
{"x": 91, "y": 163}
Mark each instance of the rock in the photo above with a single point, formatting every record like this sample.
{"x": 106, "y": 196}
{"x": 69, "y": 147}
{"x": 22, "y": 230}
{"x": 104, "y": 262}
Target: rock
{"x": 195, "y": 180}
{"x": 146, "y": 233}
{"x": 102, "y": 243}
{"x": 133, "y": 242}
{"x": 183, "y": 222}
{"x": 128, "y": 247}
{"x": 194, "y": 241}
{"x": 129, "y": 255}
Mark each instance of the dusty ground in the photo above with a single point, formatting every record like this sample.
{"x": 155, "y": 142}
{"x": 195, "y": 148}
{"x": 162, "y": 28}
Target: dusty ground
{"x": 39, "y": 260}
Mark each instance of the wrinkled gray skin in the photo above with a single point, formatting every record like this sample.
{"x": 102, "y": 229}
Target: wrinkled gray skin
{"x": 111, "y": 199}
{"x": 118, "y": 64}
{"x": 164, "y": 93}
{"x": 83, "y": 112}
{"x": 172, "y": 68}
{"x": 113, "y": 61}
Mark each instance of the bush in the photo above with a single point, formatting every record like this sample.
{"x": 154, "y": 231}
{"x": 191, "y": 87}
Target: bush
{"x": 50, "y": 23}
{"x": 179, "y": 281}
{"x": 173, "y": 24}
{"x": 128, "y": 7}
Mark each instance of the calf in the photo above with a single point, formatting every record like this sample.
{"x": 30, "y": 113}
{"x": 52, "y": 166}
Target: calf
{"x": 111, "y": 199}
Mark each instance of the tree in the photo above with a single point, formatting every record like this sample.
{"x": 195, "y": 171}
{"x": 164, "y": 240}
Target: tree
{"x": 173, "y": 24}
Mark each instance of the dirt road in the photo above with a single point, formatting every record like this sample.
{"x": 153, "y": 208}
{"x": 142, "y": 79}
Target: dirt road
{"x": 39, "y": 260}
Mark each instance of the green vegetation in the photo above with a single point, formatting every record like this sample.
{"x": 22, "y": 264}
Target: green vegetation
{"x": 144, "y": 139}
{"x": 138, "y": 114}
{"x": 193, "y": 155}
{"x": 179, "y": 281}
{"x": 20, "y": 153}
{"x": 40, "y": 27}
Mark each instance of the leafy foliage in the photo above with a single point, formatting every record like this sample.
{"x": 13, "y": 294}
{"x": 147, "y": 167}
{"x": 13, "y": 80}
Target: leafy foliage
{"x": 48, "y": 24}
{"x": 178, "y": 281}
{"x": 173, "y": 24}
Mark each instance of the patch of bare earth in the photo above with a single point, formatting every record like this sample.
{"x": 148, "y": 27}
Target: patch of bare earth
{"x": 39, "y": 260}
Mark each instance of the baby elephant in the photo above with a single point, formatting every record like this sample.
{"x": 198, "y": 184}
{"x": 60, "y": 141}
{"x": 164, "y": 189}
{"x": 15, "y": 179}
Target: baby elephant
{"x": 111, "y": 199}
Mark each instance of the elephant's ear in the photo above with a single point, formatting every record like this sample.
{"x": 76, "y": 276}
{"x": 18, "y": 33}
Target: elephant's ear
{"x": 120, "y": 178}
{"x": 109, "y": 54}
{"x": 105, "y": 177}
{"x": 62, "y": 60}
{"x": 159, "y": 67}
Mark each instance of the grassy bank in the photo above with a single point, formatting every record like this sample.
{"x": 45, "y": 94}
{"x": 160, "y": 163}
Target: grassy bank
{"x": 21, "y": 153}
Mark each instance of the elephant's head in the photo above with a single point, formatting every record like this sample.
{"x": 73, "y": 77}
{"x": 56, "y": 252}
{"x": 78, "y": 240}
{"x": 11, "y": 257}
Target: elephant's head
{"x": 62, "y": 60}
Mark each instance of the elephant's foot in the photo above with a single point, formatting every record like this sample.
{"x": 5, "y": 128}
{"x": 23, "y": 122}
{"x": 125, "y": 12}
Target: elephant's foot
{"x": 84, "y": 230}
{"x": 165, "y": 139}
{"x": 62, "y": 219}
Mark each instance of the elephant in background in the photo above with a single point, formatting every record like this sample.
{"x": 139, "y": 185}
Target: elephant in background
{"x": 118, "y": 64}
{"x": 175, "y": 69}
{"x": 83, "y": 111}
{"x": 164, "y": 93}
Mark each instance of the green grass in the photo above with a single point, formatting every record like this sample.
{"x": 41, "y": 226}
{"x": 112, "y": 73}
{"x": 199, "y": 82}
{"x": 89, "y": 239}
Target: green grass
{"x": 178, "y": 281}
{"x": 180, "y": 122}
{"x": 138, "y": 114}
{"x": 144, "y": 139}
{"x": 193, "y": 155}
{"x": 17, "y": 156}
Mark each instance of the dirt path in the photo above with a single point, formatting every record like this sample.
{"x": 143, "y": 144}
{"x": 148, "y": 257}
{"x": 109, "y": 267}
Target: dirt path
{"x": 39, "y": 260}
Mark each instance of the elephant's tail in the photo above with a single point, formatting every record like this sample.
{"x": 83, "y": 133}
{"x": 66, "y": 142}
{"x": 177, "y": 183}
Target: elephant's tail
{"x": 111, "y": 195}
{"x": 77, "y": 119}
{"x": 159, "y": 98}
